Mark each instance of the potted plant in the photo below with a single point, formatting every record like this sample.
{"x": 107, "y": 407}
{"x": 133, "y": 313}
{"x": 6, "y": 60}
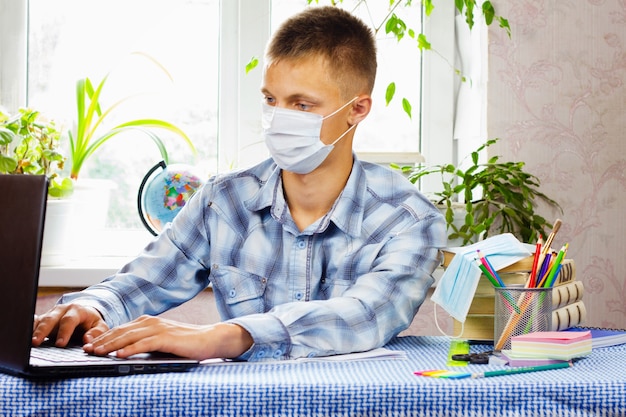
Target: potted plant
{"x": 90, "y": 132}
{"x": 498, "y": 197}
{"x": 29, "y": 145}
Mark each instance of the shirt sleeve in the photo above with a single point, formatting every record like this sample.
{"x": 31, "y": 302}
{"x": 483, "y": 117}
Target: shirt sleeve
{"x": 167, "y": 273}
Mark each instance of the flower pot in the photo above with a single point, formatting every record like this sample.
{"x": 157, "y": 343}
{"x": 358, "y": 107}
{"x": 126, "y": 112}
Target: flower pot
{"x": 56, "y": 236}
{"x": 91, "y": 205}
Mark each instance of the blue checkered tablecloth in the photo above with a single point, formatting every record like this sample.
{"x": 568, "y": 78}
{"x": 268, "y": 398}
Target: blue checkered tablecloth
{"x": 595, "y": 386}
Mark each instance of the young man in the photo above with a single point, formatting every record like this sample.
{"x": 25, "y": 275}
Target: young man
{"x": 309, "y": 253}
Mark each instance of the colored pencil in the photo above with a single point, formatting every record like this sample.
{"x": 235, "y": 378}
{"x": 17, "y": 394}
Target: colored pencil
{"x": 487, "y": 273}
{"x": 508, "y": 298}
{"x": 490, "y": 267}
{"x": 543, "y": 271}
{"x": 533, "y": 272}
{"x": 522, "y": 369}
{"x": 559, "y": 258}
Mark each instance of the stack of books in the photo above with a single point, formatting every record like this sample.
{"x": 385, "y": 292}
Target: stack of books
{"x": 568, "y": 308}
{"x": 603, "y": 337}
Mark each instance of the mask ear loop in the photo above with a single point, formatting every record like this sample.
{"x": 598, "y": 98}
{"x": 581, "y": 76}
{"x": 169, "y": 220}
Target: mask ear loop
{"x": 334, "y": 113}
{"x": 340, "y": 108}
{"x": 343, "y": 134}
{"x": 441, "y": 330}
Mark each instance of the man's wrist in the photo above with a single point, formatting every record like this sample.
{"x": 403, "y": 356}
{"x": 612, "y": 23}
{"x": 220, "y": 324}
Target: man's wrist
{"x": 235, "y": 340}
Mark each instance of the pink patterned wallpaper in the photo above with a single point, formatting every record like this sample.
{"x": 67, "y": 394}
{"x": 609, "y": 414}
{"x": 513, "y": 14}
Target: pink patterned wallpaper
{"x": 557, "y": 98}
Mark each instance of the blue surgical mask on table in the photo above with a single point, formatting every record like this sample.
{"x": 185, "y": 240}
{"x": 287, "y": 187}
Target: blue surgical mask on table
{"x": 457, "y": 286}
{"x": 293, "y": 137}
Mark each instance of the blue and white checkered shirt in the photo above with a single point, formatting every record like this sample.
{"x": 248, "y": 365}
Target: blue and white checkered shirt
{"x": 349, "y": 282}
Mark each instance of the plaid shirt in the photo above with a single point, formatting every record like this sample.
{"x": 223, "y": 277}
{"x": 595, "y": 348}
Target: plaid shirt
{"x": 350, "y": 282}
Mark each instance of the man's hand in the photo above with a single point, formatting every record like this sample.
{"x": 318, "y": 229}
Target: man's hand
{"x": 151, "y": 334}
{"x": 63, "y": 320}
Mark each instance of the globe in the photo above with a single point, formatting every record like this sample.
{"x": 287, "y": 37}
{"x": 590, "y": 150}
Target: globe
{"x": 164, "y": 193}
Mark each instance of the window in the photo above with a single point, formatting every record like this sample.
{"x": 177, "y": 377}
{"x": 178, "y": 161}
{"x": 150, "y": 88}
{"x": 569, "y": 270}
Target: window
{"x": 205, "y": 45}
{"x": 67, "y": 43}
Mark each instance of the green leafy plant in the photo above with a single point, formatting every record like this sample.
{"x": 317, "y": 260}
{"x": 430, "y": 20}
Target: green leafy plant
{"x": 90, "y": 134}
{"x": 506, "y": 202}
{"x": 395, "y": 25}
{"x": 29, "y": 144}
{"x": 398, "y": 27}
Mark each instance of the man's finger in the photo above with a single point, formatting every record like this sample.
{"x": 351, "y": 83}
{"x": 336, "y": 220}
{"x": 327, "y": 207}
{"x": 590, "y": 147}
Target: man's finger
{"x": 46, "y": 324}
{"x": 96, "y": 331}
{"x": 67, "y": 325}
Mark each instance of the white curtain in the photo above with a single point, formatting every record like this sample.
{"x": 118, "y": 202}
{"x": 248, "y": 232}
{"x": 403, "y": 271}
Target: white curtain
{"x": 470, "y": 114}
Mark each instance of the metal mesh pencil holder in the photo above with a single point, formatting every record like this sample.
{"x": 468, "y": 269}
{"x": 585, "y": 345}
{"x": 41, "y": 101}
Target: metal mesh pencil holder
{"x": 519, "y": 311}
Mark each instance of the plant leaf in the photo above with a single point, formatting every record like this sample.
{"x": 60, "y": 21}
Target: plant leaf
{"x": 7, "y": 164}
{"x": 488, "y": 12}
{"x": 252, "y": 64}
{"x": 406, "y": 106}
{"x": 428, "y": 7}
{"x": 391, "y": 90}
{"x": 422, "y": 42}
{"x": 504, "y": 24}
{"x": 6, "y": 136}
{"x": 396, "y": 26}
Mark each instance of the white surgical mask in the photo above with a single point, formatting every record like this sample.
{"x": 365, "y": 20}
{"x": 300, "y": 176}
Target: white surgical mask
{"x": 457, "y": 286}
{"x": 293, "y": 137}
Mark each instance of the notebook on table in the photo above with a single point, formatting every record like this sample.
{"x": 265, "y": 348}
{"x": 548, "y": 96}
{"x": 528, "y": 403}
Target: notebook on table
{"x": 22, "y": 214}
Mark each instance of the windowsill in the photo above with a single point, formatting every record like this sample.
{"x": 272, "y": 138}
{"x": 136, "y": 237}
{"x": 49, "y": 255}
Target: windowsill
{"x": 81, "y": 273}
{"x": 96, "y": 260}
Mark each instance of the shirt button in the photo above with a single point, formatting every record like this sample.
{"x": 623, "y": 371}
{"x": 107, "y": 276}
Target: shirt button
{"x": 232, "y": 293}
{"x": 298, "y": 296}
{"x": 260, "y": 354}
{"x": 301, "y": 244}
{"x": 263, "y": 280}
{"x": 278, "y": 353}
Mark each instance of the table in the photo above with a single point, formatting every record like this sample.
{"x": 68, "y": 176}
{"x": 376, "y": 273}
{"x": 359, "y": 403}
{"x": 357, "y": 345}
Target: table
{"x": 595, "y": 385}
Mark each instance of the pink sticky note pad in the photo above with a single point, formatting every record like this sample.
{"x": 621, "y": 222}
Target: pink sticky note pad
{"x": 564, "y": 337}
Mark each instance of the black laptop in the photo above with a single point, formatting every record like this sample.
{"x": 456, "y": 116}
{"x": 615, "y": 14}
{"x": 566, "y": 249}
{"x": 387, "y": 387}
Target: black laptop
{"x": 22, "y": 213}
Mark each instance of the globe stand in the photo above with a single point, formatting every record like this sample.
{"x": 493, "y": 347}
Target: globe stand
{"x": 145, "y": 179}
{"x": 161, "y": 196}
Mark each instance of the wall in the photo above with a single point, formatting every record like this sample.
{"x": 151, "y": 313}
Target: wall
{"x": 557, "y": 96}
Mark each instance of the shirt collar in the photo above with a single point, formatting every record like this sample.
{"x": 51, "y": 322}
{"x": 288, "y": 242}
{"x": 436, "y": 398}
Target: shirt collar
{"x": 346, "y": 213}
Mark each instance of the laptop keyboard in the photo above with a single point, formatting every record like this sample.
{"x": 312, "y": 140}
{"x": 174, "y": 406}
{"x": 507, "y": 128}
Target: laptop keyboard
{"x": 68, "y": 354}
